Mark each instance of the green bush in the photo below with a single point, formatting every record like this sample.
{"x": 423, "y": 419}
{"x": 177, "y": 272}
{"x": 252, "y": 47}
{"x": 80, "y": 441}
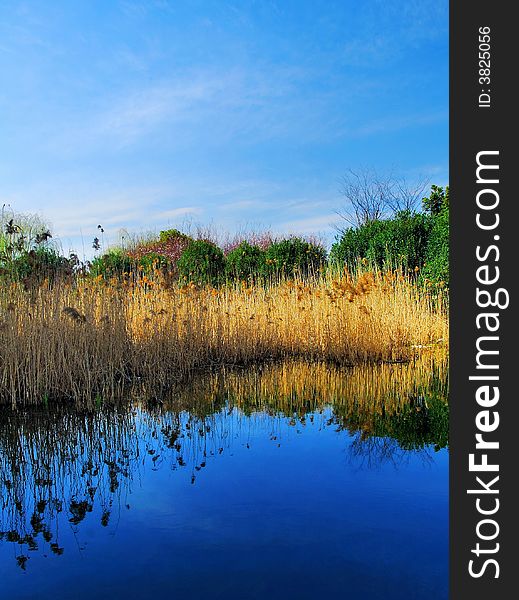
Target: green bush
{"x": 398, "y": 242}
{"x": 148, "y": 262}
{"x": 116, "y": 262}
{"x": 437, "y": 201}
{"x": 201, "y": 262}
{"x": 112, "y": 264}
{"x": 173, "y": 234}
{"x": 40, "y": 263}
{"x": 293, "y": 257}
{"x": 245, "y": 262}
{"x": 437, "y": 255}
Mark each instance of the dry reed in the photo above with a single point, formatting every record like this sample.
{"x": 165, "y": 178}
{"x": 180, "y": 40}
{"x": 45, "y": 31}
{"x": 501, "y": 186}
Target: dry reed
{"x": 94, "y": 338}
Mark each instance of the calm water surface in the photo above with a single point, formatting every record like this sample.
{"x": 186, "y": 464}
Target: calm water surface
{"x": 286, "y": 482}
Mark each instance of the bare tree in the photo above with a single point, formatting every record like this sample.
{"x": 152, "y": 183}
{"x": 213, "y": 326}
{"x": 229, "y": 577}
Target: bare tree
{"x": 405, "y": 196}
{"x": 367, "y": 195}
{"x": 371, "y": 196}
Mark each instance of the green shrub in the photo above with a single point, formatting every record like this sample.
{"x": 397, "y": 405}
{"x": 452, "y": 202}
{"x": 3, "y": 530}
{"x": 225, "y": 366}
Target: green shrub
{"x": 437, "y": 253}
{"x": 113, "y": 263}
{"x": 151, "y": 261}
{"x": 397, "y": 242}
{"x": 173, "y": 234}
{"x": 293, "y": 257}
{"x": 245, "y": 262}
{"x": 437, "y": 201}
{"x": 161, "y": 253}
{"x": 201, "y": 262}
{"x": 41, "y": 263}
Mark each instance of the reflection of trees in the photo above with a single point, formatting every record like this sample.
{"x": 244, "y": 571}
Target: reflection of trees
{"x": 60, "y": 467}
{"x": 421, "y": 423}
{"x": 370, "y": 451}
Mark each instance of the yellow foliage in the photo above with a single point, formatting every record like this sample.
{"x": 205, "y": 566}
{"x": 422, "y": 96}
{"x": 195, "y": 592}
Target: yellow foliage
{"x": 96, "y": 337}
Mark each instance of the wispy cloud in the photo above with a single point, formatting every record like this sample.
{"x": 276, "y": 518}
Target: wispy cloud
{"x": 320, "y": 225}
{"x": 140, "y": 112}
{"x": 214, "y": 107}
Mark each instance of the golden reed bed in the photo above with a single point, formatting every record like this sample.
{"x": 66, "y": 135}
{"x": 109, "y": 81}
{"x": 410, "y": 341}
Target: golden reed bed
{"x": 94, "y": 338}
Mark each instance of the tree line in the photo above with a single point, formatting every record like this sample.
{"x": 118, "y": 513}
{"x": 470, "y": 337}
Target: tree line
{"x": 383, "y": 229}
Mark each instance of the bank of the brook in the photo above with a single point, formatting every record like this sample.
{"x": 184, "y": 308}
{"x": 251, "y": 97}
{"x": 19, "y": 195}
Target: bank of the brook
{"x": 93, "y": 339}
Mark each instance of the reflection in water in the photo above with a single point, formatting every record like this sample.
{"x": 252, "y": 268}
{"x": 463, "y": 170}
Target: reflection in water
{"x": 57, "y": 465}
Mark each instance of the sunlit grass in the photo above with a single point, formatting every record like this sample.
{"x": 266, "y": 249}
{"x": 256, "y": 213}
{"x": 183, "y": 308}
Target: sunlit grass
{"x": 94, "y": 338}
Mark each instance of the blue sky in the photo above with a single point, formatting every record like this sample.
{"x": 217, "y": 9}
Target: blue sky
{"x": 244, "y": 114}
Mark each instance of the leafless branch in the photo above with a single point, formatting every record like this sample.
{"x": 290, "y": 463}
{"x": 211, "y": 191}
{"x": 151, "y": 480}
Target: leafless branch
{"x": 371, "y": 196}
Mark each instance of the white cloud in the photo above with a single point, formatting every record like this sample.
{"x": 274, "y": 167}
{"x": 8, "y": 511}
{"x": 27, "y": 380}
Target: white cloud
{"x": 142, "y": 111}
{"x": 207, "y": 107}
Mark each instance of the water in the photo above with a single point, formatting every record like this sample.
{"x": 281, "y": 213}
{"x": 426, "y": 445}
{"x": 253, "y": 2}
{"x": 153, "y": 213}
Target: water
{"x": 286, "y": 482}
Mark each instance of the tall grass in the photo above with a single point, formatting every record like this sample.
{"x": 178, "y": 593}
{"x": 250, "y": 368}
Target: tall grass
{"x": 92, "y": 338}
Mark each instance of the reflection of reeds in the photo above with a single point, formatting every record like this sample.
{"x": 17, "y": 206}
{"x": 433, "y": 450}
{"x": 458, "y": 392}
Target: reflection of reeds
{"x": 374, "y": 389}
{"x": 92, "y": 338}
{"x": 68, "y": 465}
{"x": 58, "y": 462}
{"x": 407, "y": 401}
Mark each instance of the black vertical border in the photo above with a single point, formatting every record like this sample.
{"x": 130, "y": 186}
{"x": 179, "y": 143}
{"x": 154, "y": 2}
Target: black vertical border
{"x": 474, "y": 129}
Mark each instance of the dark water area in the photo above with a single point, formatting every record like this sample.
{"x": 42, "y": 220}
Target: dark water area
{"x": 294, "y": 481}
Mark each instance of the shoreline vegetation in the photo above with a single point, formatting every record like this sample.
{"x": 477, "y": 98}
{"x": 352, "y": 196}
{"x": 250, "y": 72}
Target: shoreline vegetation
{"x": 92, "y": 339}
{"x": 153, "y": 313}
